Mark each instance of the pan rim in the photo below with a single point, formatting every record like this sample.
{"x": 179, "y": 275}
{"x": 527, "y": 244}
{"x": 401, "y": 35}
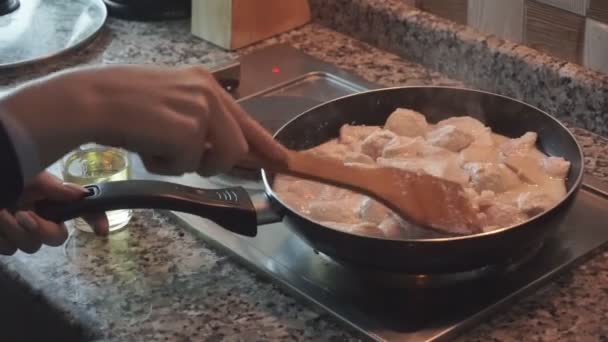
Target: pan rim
{"x": 570, "y": 193}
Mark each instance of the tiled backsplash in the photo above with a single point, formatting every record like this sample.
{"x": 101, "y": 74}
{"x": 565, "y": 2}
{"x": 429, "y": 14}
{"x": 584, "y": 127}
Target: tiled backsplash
{"x": 575, "y": 30}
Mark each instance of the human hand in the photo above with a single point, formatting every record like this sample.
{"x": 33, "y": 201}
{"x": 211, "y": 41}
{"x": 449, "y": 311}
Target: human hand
{"x": 177, "y": 119}
{"x": 26, "y": 231}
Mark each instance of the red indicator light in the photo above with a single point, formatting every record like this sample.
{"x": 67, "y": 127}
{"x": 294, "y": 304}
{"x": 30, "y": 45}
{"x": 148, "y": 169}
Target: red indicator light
{"x": 276, "y": 70}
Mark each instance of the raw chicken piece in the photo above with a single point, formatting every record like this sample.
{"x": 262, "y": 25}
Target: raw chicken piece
{"x": 552, "y": 189}
{"x": 486, "y": 198}
{"x": 449, "y": 137}
{"x": 407, "y": 123}
{"x": 480, "y": 200}
{"x": 358, "y": 158}
{"x": 413, "y": 164}
{"x": 396, "y": 228}
{"x": 361, "y": 165}
{"x": 527, "y": 167}
{"x": 400, "y": 146}
{"x": 556, "y": 166}
{"x": 282, "y": 183}
{"x": 493, "y": 177}
{"x": 297, "y": 193}
{"x": 473, "y": 196}
{"x": 365, "y": 229}
{"x": 331, "y": 149}
{"x": 483, "y": 138}
{"x": 482, "y": 135}
{"x": 374, "y": 143}
{"x": 391, "y": 227}
{"x": 373, "y": 211}
{"x": 501, "y": 215}
{"x": 444, "y": 166}
{"x": 464, "y": 123}
{"x": 334, "y": 193}
{"x": 354, "y": 135}
{"x": 343, "y": 211}
{"x": 403, "y": 147}
{"x": 305, "y": 189}
{"x": 519, "y": 145}
{"x": 361, "y": 228}
{"x": 295, "y": 202}
{"x": 482, "y": 154}
{"x": 535, "y": 202}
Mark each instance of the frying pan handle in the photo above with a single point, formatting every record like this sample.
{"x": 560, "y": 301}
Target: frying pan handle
{"x": 231, "y": 208}
{"x": 266, "y": 212}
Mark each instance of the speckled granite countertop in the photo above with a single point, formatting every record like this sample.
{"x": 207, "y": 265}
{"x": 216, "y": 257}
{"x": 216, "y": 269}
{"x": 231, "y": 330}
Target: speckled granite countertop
{"x": 155, "y": 281}
{"x": 483, "y": 61}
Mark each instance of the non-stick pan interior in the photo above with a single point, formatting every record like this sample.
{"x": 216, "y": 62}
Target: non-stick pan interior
{"x": 503, "y": 115}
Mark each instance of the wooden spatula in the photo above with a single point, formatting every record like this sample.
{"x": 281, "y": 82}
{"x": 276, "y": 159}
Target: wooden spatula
{"x": 426, "y": 200}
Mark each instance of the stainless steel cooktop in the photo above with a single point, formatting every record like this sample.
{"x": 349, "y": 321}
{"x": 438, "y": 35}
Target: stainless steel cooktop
{"x": 279, "y": 82}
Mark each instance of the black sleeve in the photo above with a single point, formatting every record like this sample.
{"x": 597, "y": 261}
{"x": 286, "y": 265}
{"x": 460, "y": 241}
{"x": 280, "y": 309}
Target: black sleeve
{"x": 11, "y": 178}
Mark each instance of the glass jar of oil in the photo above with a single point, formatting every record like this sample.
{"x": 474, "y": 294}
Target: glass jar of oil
{"x": 92, "y": 163}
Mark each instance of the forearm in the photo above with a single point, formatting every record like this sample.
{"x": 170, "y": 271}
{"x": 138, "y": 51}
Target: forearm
{"x": 23, "y": 146}
{"x": 11, "y": 179}
{"x": 52, "y": 115}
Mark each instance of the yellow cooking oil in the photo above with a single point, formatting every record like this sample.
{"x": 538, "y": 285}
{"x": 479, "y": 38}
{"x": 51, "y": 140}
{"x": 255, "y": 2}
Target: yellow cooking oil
{"x": 96, "y": 164}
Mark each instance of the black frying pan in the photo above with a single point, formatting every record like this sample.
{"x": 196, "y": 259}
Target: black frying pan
{"x": 234, "y": 210}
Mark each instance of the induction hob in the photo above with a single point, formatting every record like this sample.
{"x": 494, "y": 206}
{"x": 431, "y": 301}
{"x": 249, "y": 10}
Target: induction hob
{"x": 279, "y": 82}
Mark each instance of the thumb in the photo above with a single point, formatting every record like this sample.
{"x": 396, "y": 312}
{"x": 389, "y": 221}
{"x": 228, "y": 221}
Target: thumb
{"x": 47, "y": 186}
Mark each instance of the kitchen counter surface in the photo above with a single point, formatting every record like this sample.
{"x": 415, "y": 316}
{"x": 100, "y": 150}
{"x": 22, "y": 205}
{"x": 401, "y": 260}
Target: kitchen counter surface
{"x": 482, "y": 60}
{"x": 155, "y": 281}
